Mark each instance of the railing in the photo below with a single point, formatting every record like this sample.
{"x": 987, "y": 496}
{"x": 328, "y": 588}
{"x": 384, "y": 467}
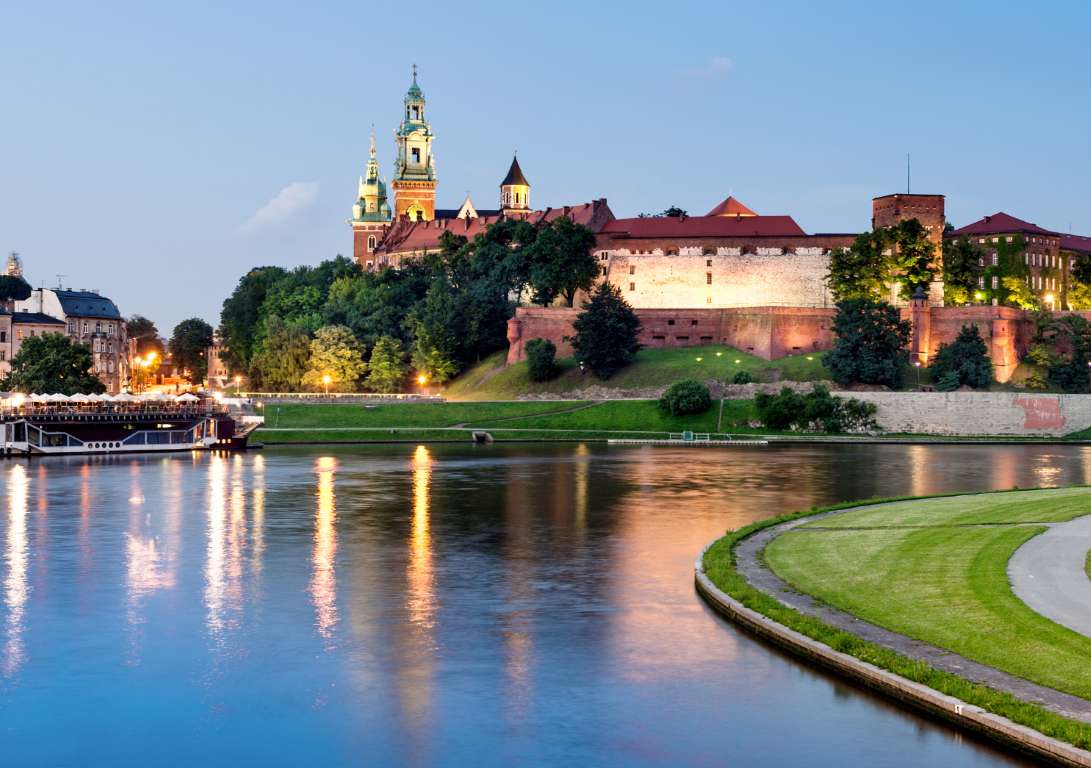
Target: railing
{"x": 334, "y": 396}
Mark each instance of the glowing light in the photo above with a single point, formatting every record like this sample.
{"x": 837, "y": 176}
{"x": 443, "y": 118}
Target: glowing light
{"x": 16, "y": 588}
{"x": 738, "y": 361}
{"x": 421, "y": 380}
{"x": 810, "y": 358}
{"x": 698, "y": 359}
{"x": 420, "y": 543}
{"x": 323, "y": 587}
{"x": 718, "y": 354}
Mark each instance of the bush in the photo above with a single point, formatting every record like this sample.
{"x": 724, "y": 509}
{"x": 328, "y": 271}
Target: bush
{"x": 685, "y": 397}
{"x": 540, "y": 359}
{"x": 742, "y": 377}
{"x": 869, "y": 344}
{"x": 816, "y": 411}
{"x": 964, "y": 361}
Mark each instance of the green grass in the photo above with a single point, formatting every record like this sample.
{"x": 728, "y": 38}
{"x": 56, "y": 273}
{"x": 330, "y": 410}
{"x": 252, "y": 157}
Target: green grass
{"x": 404, "y": 415}
{"x": 623, "y": 415}
{"x": 653, "y": 368}
{"x": 915, "y": 569}
{"x": 719, "y": 567}
{"x": 453, "y": 435}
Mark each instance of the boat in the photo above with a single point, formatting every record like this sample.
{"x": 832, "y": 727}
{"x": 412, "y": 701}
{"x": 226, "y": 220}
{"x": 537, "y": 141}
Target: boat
{"x": 99, "y": 424}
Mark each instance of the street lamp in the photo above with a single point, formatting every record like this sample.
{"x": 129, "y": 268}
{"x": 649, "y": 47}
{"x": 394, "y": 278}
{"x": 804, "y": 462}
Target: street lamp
{"x": 421, "y": 380}
{"x": 326, "y": 381}
{"x": 918, "y": 364}
{"x": 1049, "y": 298}
{"x": 238, "y": 383}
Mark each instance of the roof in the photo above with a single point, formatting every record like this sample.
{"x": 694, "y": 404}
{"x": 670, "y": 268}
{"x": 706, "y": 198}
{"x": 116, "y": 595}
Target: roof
{"x": 1077, "y": 243}
{"x": 1000, "y": 223}
{"x": 452, "y": 213}
{"x": 87, "y": 304}
{"x": 416, "y": 236}
{"x": 731, "y": 207}
{"x": 515, "y": 175}
{"x": 705, "y": 226}
{"x": 34, "y": 318}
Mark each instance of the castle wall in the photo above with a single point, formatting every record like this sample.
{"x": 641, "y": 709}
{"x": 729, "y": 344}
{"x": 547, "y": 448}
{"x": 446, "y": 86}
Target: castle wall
{"x": 980, "y": 413}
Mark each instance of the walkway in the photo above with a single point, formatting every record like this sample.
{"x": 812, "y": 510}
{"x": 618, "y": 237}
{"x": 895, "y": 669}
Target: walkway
{"x": 1047, "y": 573}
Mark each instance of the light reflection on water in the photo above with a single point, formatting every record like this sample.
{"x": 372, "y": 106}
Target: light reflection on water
{"x": 435, "y": 605}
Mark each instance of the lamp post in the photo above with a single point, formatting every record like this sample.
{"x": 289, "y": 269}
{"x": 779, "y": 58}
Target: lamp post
{"x": 918, "y": 364}
{"x": 421, "y": 380}
{"x": 1052, "y": 305}
{"x": 326, "y": 381}
{"x": 238, "y": 384}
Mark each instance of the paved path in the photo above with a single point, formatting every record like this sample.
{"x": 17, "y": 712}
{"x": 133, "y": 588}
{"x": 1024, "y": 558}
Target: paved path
{"x": 1047, "y": 573}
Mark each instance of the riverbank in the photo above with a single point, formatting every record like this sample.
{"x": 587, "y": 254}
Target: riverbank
{"x": 993, "y": 702}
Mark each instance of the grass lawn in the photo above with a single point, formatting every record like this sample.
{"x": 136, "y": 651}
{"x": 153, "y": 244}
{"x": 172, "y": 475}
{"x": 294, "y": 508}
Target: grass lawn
{"x": 454, "y": 435}
{"x": 653, "y": 368}
{"x": 403, "y": 415}
{"x": 919, "y": 569}
{"x": 628, "y": 415}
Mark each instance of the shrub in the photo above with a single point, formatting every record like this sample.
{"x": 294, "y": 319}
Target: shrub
{"x": 540, "y": 359}
{"x": 964, "y": 361}
{"x": 742, "y": 377}
{"x": 1036, "y": 380}
{"x": 816, "y": 411}
{"x": 685, "y": 397}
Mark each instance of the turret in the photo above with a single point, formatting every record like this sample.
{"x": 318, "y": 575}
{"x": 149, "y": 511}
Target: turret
{"x": 414, "y": 181}
{"x": 514, "y": 191}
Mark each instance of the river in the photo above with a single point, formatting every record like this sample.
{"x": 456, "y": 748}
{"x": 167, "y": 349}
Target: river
{"x": 509, "y": 604}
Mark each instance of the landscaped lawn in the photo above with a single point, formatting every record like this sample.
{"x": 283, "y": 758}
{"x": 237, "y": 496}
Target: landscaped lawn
{"x": 936, "y": 570}
{"x": 623, "y": 415}
{"x": 322, "y": 415}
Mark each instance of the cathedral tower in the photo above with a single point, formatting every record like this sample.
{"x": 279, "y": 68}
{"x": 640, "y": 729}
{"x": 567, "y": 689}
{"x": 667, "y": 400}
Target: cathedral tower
{"x": 371, "y": 213}
{"x": 514, "y": 191}
{"x": 414, "y": 181}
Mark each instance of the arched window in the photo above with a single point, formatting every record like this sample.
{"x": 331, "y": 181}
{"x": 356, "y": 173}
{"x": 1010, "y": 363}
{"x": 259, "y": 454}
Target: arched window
{"x": 672, "y": 250}
{"x": 371, "y": 243}
{"x": 710, "y": 251}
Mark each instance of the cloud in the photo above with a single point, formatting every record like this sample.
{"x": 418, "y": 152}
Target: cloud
{"x": 718, "y": 67}
{"x": 291, "y": 200}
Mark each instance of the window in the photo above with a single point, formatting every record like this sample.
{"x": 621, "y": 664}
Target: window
{"x": 980, "y": 282}
{"x": 416, "y": 113}
{"x": 110, "y": 366}
{"x": 996, "y": 282}
{"x": 85, "y": 326}
{"x": 693, "y": 322}
{"x": 371, "y": 243}
{"x": 710, "y": 251}
{"x": 416, "y": 155}
{"x": 1007, "y": 239}
{"x": 20, "y": 332}
{"x": 71, "y": 327}
{"x": 996, "y": 239}
{"x": 3, "y": 337}
{"x": 708, "y": 278}
{"x": 708, "y": 263}
{"x": 981, "y": 261}
{"x": 111, "y": 329}
{"x": 604, "y": 271}
{"x": 632, "y": 286}
{"x": 996, "y": 259}
{"x": 708, "y": 300}
{"x": 670, "y": 322}
{"x": 632, "y": 269}
{"x": 981, "y": 241}
{"x": 3, "y": 354}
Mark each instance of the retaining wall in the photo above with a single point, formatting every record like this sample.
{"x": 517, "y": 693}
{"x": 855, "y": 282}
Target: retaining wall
{"x": 980, "y": 413}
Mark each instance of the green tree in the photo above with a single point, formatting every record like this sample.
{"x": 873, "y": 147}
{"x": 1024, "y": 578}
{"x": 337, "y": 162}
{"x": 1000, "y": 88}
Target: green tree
{"x": 388, "y": 366}
{"x": 147, "y": 337}
{"x": 433, "y": 352}
{"x": 284, "y": 361}
{"x": 14, "y": 288}
{"x": 863, "y": 270}
{"x": 1069, "y": 369}
{"x": 49, "y": 364}
{"x": 960, "y": 257}
{"x": 965, "y": 361}
{"x": 870, "y": 340}
{"x": 560, "y": 261}
{"x": 540, "y": 359}
{"x": 335, "y": 353}
{"x": 187, "y": 348}
{"x": 607, "y": 332}
{"x": 685, "y": 397}
{"x": 1079, "y": 296}
{"x": 1019, "y": 293}
{"x": 913, "y": 256}
{"x": 816, "y": 410}
{"x": 241, "y": 316}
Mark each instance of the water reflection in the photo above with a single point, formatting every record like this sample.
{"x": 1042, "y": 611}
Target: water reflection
{"x": 420, "y": 543}
{"x": 16, "y": 588}
{"x": 146, "y": 570}
{"x": 324, "y": 579}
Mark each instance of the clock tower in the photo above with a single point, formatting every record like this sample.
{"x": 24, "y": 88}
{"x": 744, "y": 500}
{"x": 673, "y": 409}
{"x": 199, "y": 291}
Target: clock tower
{"x": 414, "y": 182}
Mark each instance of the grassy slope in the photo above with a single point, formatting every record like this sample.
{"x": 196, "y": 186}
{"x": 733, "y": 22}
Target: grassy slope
{"x": 943, "y": 584}
{"x": 404, "y": 415}
{"x": 653, "y": 368}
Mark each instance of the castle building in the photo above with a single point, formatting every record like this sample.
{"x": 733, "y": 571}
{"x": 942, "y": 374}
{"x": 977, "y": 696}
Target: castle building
{"x": 371, "y": 213}
{"x": 414, "y": 181}
{"x": 891, "y": 210}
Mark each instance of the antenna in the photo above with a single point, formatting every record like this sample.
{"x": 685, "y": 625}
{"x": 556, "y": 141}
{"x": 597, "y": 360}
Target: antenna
{"x": 60, "y": 281}
{"x": 908, "y": 169}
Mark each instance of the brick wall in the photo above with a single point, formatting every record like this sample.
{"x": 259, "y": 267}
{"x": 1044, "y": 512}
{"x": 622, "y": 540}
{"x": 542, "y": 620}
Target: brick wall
{"x": 980, "y": 413}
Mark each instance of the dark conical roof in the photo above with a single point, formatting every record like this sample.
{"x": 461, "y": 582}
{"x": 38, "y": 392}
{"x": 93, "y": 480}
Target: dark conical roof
{"x": 515, "y": 175}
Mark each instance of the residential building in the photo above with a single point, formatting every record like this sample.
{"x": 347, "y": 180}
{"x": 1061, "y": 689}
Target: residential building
{"x": 15, "y": 327}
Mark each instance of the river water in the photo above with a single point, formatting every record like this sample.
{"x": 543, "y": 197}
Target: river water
{"x": 436, "y": 605}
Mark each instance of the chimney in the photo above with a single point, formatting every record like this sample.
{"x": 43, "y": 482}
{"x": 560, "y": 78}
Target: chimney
{"x": 986, "y": 219}
{"x": 738, "y": 215}
{"x": 681, "y": 217}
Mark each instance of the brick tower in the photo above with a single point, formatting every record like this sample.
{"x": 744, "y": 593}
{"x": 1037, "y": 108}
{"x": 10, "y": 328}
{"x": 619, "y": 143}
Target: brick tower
{"x": 371, "y": 213}
{"x": 414, "y": 182}
{"x": 889, "y": 210}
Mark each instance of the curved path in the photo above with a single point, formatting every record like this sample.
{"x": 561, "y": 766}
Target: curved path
{"x": 1047, "y": 573}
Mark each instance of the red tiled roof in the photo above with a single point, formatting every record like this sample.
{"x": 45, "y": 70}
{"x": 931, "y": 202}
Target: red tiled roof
{"x": 705, "y": 226}
{"x": 1077, "y": 243}
{"x": 424, "y": 235}
{"x": 731, "y": 207}
{"x": 1000, "y": 223}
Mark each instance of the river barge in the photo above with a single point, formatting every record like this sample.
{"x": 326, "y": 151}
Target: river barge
{"x": 99, "y": 424}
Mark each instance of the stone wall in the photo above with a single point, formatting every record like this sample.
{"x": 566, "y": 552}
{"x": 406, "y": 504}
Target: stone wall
{"x": 980, "y": 413}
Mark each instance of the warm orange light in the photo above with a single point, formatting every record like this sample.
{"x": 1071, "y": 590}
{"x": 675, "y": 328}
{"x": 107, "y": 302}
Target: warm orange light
{"x": 326, "y": 379}
{"x": 421, "y": 380}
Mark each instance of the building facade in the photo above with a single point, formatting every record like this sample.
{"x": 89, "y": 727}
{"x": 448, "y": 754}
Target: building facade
{"x": 929, "y": 210}
{"x": 16, "y": 327}
{"x": 88, "y": 318}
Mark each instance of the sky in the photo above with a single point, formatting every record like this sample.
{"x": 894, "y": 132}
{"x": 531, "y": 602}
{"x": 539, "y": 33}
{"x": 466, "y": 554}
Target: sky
{"x": 157, "y": 152}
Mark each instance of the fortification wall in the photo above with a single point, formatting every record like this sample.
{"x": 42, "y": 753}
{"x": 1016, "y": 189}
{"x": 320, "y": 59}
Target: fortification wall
{"x": 693, "y": 279}
{"x": 980, "y": 413}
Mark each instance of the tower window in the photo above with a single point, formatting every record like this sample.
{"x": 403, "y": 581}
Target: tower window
{"x": 604, "y": 271}
{"x": 632, "y": 269}
{"x": 632, "y": 286}
{"x": 416, "y": 113}
{"x": 708, "y": 278}
{"x": 371, "y": 243}
{"x": 708, "y": 262}
{"x": 416, "y": 155}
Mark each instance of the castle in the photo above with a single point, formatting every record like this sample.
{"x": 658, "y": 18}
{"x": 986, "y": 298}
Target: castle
{"x": 732, "y": 276}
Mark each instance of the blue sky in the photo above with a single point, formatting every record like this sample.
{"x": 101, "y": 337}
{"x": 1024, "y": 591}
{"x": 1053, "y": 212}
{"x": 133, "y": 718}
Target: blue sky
{"x": 157, "y": 152}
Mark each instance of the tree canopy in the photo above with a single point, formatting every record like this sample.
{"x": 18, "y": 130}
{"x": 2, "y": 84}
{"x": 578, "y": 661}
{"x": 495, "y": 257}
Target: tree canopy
{"x": 965, "y": 361}
{"x": 560, "y": 261}
{"x": 14, "y": 288}
{"x": 870, "y": 341}
{"x": 336, "y": 354}
{"x": 49, "y": 364}
{"x": 147, "y": 337}
{"x": 187, "y": 347}
{"x": 960, "y": 257}
{"x": 900, "y": 254}
{"x": 606, "y": 332}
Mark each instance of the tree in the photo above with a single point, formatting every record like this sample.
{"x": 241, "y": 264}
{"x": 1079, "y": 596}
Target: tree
{"x": 1019, "y": 293}
{"x": 960, "y": 257}
{"x": 241, "y": 316}
{"x": 187, "y": 347}
{"x": 388, "y": 366}
{"x": 434, "y": 351}
{"x": 913, "y": 256}
{"x": 1072, "y": 339}
{"x": 287, "y": 355}
{"x": 686, "y": 397}
{"x": 560, "y": 261}
{"x": 869, "y": 344}
{"x": 540, "y": 359}
{"x": 817, "y": 410}
{"x": 335, "y": 353}
{"x": 965, "y": 361}
{"x": 147, "y": 337}
{"x": 863, "y": 270}
{"x": 1079, "y": 296}
{"x": 606, "y": 332}
{"x": 14, "y": 288}
{"x": 50, "y": 363}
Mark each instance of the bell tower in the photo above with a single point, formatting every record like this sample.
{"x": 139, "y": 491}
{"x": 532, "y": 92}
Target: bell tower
{"x": 514, "y": 191}
{"x": 371, "y": 213}
{"x": 414, "y": 182}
